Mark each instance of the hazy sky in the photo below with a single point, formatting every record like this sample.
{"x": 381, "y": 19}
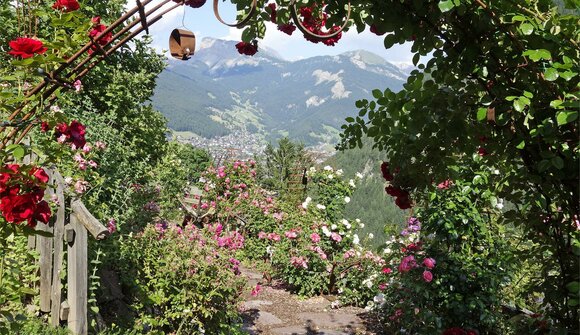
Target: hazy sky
{"x": 204, "y": 24}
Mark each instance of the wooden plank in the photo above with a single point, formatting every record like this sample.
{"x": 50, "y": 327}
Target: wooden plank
{"x": 44, "y": 248}
{"x": 31, "y": 242}
{"x": 77, "y": 278}
{"x": 64, "y": 310}
{"x": 87, "y": 219}
{"x": 26, "y": 160}
{"x": 56, "y": 295}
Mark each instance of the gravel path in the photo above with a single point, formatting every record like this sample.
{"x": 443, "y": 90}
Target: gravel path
{"x": 275, "y": 311}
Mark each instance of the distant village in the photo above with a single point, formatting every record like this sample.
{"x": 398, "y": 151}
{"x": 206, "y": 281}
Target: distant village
{"x": 244, "y": 145}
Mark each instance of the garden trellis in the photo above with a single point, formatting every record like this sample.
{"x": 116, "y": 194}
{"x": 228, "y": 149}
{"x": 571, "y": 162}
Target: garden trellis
{"x": 79, "y": 64}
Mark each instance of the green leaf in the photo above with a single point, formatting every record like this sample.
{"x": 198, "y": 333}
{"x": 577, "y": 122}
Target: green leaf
{"x": 556, "y": 103}
{"x": 16, "y": 150}
{"x": 557, "y": 162}
{"x": 446, "y": 5}
{"x": 566, "y": 117}
{"x": 551, "y": 74}
{"x": 538, "y": 54}
{"x": 543, "y": 165}
{"x": 568, "y": 75}
{"x": 520, "y": 103}
{"x": 481, "y": 114}
{"x": 526, "y": 28}
{"x": 377, "y": 94}
{"x": 416, "y": 59}
{"x": 521, "y": 145}
{"x": 573, "y": 287}
{"x": 390, "y": 40}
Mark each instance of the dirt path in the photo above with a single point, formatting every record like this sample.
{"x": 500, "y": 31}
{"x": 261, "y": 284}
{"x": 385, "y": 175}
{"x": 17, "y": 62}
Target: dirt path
{"x": 275, "y": 311}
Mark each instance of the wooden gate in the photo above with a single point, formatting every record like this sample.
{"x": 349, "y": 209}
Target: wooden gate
{"x": 72, "y": 233}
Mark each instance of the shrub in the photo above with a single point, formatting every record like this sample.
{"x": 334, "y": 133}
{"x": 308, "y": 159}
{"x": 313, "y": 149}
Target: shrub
{"x": 181, "y": 280}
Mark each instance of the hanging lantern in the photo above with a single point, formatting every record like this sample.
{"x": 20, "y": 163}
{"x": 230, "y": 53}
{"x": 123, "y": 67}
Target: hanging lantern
{"x": 182, "y": 44}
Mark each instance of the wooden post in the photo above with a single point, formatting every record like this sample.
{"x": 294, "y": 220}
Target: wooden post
{"x": 56, "y": 296}
{"x": 77, "y": 278}
{"x": 44, "y": 247}
{"x": 87, "y": 220}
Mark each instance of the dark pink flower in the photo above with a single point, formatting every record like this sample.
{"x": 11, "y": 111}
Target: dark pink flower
{"x": 429, "y": 263}
{"x": 407, "y": 263}
{"x": 427, "y": 276}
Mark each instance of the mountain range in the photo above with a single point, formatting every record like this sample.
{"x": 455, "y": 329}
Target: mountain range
{"x": 218, "y": 91}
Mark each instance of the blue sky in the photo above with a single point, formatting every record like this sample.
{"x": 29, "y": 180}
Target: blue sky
{"x": 204, "y": 24}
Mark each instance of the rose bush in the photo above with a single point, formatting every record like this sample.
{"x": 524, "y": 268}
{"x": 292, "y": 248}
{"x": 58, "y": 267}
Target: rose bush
{"x": 181, "y": 280}
{"x": 450, "y": 264}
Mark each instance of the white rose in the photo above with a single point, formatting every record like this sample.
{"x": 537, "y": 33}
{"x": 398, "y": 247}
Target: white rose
{"x": 355, "y": 239}
{"x": 319, "y": 206}
{"x": 371, "y": 236}
{"x": 328, "y": 168}
{"x": 347, "y": 199}
{"x": 351, "y": 183}
{"x": 359, "y": 175}
{"x": 339, "y": 172}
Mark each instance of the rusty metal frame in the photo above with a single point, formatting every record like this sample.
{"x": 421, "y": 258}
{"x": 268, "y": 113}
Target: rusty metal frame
{"x": 311, "y": 35}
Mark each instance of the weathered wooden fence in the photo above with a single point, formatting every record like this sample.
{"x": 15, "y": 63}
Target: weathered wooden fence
{"x": 70, "y": 232}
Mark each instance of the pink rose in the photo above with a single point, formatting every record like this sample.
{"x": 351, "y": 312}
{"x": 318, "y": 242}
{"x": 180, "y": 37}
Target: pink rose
{"x": 407, "y": 264}
{"x": 315, "y": 237}
{"x": 429, "y": 263}
{"x": 427, "y": 276}
{"x": 336, "y": 237}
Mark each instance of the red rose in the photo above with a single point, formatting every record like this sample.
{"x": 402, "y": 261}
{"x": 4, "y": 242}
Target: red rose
{"x": 403, "y": 202}
{"x": 249, "y": 49}
{"x": 193, "y": 3}
{"x": 273, "y": 13}
{"x": 25, "y": 47}
{"x": 287, "y": 28}
{"x": 39, "y": 174}
{"x": 96, "y": 31}
{"x": 77, "y": 133}
{"x": 44, "y": 127}
{"x": 66, "y": 5}
{"x": 454, "y": 331}
{"x": 376, "y": 31}
{"x": 396, "y": 191}
{"x": 482, "y": 152}
{"x": 17, "y": 208}
{"x": 386, "y": 172}
{"x": 42, "y": 212}
{"x": 96, "y": 20}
